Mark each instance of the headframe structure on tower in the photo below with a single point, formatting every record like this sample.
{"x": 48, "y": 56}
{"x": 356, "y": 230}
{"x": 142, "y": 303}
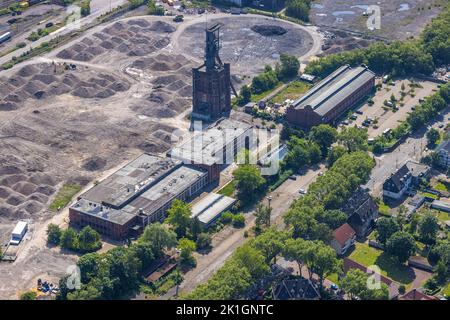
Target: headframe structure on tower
{"x": 211, "y": 82}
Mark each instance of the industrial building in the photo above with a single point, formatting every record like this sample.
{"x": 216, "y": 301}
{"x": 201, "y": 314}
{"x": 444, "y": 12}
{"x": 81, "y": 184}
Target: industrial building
{"x": 211, "y": 82}
{"x": 215, "y": 147}
{"x": 331, "y": 97}
{"x": 211, "y": 207}
{"x": 136, "y": 195}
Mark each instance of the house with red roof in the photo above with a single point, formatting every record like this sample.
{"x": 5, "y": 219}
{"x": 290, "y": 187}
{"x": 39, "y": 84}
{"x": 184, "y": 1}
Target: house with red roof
{"x": 343, "y": 238}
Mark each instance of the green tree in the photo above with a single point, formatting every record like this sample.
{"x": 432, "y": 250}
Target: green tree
{"x": 428, "y": 228}
{"x": 335, "y": 153}
{"x": 29, "y": 295}
{"x": 89, "y": 240}
{"x": 401, "y": 245}
{"x": 262, "y": 214}
{"x": 332, "y": 218}
{"x": 155, "y": 10}
{"x": 203, "y": 241}
{"x": 270, "y": 243}
{"x": 298, "y": 9}
{"x": 179, "y": 217}
{"x": 386, "y": 227}
{"x": 252, "y": 260}
{"x": 353, "y": 138}
{"x": 248, "y": 180}
{"x": 159, "y": 237}
{"x": 433, "y": 136}
{"x": 289, "y": 67}
{"x": 245, "y": 95}
{"x": 85, "y": 8}
{"x": 297, "y": 250}
{"x": 53, "y": 234}
{"x": 324, "y": 261}
{"x": 187, "y": 247}
{"x": 355, "y": 284}
{"x": 69, "y": 239}
{"x": 324, "y": 135}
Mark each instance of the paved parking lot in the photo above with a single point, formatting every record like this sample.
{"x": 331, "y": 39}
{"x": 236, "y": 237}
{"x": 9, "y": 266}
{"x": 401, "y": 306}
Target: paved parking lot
{"x": 388, "y": 118}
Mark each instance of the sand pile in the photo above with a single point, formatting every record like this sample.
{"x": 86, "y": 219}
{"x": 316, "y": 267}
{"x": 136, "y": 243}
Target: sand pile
{"x": 94, "y": 164}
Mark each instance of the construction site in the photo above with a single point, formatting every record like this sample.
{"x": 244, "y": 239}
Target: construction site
{"x": 78, "y": 113}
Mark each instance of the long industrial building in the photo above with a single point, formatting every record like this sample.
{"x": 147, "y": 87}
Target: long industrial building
{"x": 136, "y": 195}
{"x": 215, "y": 147}
{"x": 331, "y": 97}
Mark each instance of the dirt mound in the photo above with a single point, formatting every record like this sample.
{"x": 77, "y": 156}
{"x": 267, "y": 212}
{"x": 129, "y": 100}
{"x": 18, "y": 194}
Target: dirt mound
{"x": 24, "y": 188}
{"x": 4, "y": 193}
{"x": 11, "y": 169}
{"x": 28, "y": 71}
{"x": 7, "y": 106}
{"x": 59, "y": 89}
{"x": 152, "y": 147}
{"x": 177, "y": 85}
{"x": 39, "y": 198}
{"x": 185, "y": 92}
{"x": 268, "y": 30}
{"x": 83, "y": 56}
{"x": 45, "y": 78}
{"x": 165, "y": 80}
{"x": 46, "y": 190}
{"x": 65, "y": 54}
{"x": 11, "y": 180}
{"x": 119, "y": 86}
{"x": 84, "y": 92}
{"x": 161, "y": 26}
{"x": 16, "y": 81}
{"x": 13, "y": 98}
{"x": 15, "y": 200}
{"x": 42, "y": 178}
{"x": 31, "y": 207}
{"x": 139, "y": 22}
{"x": 94, "y": 164}
{"x": 106, "y": 45}
{"x": 105, "y": 94}
{"x": 87, "y": 41}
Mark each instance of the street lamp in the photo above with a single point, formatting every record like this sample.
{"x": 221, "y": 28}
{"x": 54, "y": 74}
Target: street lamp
{"x": 269, "y": 199}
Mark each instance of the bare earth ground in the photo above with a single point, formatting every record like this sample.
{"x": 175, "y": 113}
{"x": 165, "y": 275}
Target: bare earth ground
{"x": 131, "y": 88}
{"x": 400, "y": 19}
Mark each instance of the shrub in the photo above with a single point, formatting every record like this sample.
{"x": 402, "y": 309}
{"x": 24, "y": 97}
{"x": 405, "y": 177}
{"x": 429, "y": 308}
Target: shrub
{"x": 238, "y": 221}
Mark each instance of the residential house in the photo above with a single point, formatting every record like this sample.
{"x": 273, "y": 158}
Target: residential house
{"x": 343, "y": 238}
{"x": 296, "y": 289}
{"x": 362, "y": 212}
{"x": 415, "y": 294}
{"x": 410, "y": 174}
{"x": 398, "y": 183}
{"x": 444, "y": 154}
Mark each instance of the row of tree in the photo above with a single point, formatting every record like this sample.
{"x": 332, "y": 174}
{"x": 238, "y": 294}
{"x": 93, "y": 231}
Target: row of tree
{"x": 298, "y": 9}
{"x": 87, "y": 240}
{"x": 305, "y": 241}
{"x": 398, "y": 58}
{"x": 286, "y": 69}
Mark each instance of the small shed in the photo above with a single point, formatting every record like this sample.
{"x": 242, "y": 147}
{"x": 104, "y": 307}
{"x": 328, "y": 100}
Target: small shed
{"x": 18, "y": 233}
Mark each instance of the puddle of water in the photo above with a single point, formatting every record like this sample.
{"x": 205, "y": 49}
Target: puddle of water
{"x": 340, "y": 13}
{"x": 404, "y": 7}
{"x": 361, "y": 6}
{"x": 317, "y": 6}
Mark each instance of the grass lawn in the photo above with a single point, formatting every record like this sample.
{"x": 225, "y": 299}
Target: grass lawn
{"x": 292, "y": 91}
{"x": 389, "y": 266}
{"x": 333, "y": 278}
{"x": 384, "y": 209}
{"x": 64, "y": 196}
{"x": 228, "y": 190}
{"x": 429, "y": 195}
{"x": 442, "y": 215}
{"x": 262, "y": 95}
{"x": 441, "y": 187}
{"x": 446, "y": 290}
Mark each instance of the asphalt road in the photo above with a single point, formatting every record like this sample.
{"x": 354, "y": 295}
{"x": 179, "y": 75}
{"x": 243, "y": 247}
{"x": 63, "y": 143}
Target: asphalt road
{"x": 229, "y": 239}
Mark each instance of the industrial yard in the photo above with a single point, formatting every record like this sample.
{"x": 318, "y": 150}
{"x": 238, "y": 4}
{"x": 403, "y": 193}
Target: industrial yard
{"x": 100, "y": 100}
{"x": 400, "y": 19}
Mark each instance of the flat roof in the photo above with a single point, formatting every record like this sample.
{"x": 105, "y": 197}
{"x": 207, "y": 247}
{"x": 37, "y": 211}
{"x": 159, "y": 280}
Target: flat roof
{"x": 208, "y": 208}
{"x": 20, "y": 226}
{"x": 205, "y": 147}
{"x": 130, "y": 180}
{"x": 329, "y": 92}
{"x": 149, "y": 201}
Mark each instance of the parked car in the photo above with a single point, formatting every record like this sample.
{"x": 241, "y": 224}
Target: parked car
{"x": 353, "y": 117}
{"x": 358, "y": 112}
{"x": 302, "y": 191}
{"x": 292, "y": 177}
